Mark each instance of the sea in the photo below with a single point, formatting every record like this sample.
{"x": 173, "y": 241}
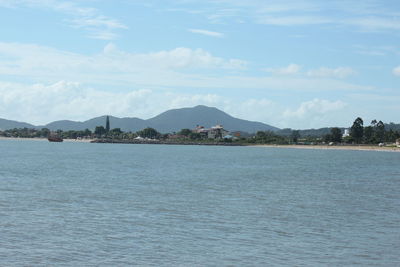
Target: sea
{"x": 82, "y": 204}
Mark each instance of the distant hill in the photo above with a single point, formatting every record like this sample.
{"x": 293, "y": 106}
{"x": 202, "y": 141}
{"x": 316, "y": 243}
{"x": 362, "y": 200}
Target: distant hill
{"x": 167, "y": 122}
{"x": 392, "y": 126}
{"x": 327, "y": 130}
{"x": 308, "y": 132}
{"x": 8, "y": 124}
{"x": 176, "y": 119}
{"x": 126, "y": 124}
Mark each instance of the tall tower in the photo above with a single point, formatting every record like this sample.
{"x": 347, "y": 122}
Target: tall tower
{"x": 107, "y": 124}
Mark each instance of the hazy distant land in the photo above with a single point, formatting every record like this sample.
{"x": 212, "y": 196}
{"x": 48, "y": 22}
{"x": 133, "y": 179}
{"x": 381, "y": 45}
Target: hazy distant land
{"x": 203, "y": 125}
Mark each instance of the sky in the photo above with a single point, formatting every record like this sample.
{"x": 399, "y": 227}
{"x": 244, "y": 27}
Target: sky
{"x": 288, "y": 63}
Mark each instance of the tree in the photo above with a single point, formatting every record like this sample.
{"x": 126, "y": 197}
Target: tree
{"x": 149, "y": 133}
{"x": 380, "y": 131}
{"x": 185, "y": 132}
{"x": 327, "y": 138}
{"x": 99, "y": 130}
{"x": 369, "y": 134}
{"x": 107, "y": 124}
{"x": 195, "y": 136}
{"x": 295, "y": 135}
{"x": 44, "y": 132}
{"x": 87, "y": 132}
{"x": 336, "y": 135}
{"x": 261, "y": 134}
{"x": 115, "y": 132}
{"x": 357, "y": 130}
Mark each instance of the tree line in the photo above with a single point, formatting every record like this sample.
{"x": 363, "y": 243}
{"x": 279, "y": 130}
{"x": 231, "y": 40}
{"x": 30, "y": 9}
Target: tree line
{"x": 374, "y": 133}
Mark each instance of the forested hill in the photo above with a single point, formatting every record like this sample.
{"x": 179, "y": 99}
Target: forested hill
{"x": 166, "y": 122}
{"x": 9, "y": 124}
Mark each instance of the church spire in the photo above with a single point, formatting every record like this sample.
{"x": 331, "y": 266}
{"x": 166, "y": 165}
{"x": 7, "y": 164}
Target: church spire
{"x": 107, "y": 124}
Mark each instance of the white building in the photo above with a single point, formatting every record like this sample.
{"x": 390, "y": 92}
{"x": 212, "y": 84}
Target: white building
{"x": 346, "y": 133}
{"x": 215, "y": 132}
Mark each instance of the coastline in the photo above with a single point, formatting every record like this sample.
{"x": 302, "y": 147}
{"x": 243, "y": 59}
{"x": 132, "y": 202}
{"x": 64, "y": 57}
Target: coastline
{"x": 345, "y": 147}
{"x": 320, "y": 147}
{"x": 43, "y": 139}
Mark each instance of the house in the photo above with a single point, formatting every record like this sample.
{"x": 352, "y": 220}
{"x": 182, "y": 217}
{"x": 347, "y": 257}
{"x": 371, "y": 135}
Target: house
{"x": 215, "y": 132}
{"x": 398, "y": 142}
{"x": 346, "y": 133}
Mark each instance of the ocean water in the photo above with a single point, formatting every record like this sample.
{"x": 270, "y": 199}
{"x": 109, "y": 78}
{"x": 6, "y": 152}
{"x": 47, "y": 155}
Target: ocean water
{"x": 80, "y": 204}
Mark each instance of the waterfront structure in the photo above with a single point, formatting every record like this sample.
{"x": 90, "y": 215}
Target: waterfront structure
{"x": 346, "y": 133}
{"x": 215, "y": 132}
{"x": 107, "y": 124}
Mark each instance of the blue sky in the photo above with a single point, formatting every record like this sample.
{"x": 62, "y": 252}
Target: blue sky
{"x": 298, "y": 64}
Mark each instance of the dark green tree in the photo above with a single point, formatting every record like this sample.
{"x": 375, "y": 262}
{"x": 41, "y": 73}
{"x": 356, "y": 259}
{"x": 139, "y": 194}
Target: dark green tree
{"x": 87, "y": 132}
{"x": 99, "y": 131}
{"x": 195, "y": 136}
{"x": 149, "y": 133}
{"x": 380, "y": 131}
{"x": 357, "y": 130}
{"x": 115, "y": 133}
{"x": 261, "y": 134}
{"x": 369, "y": 134}
{"x": 336, "y": 135}
{"x": 185, "y": 132}
{"x": 44, "y": 132}
{"x": 294, "y": 136}
{"x": 327, "y": 138}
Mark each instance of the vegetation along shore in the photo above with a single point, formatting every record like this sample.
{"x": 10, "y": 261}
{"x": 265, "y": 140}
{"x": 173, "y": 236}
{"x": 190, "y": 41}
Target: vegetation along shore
{"x": 375, "y": 136}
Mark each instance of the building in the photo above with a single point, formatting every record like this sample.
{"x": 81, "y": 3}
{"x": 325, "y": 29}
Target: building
{"x": 215, "y": 132}
{"x": 346, "y": 133}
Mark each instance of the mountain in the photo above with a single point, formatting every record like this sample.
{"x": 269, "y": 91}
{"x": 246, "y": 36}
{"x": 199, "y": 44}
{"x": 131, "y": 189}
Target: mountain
{"x": 176, "y": 119}
{"x": 168, "y": 121}
{"x": 8, "y": 124}
{"x": 309, "y": 132}
{"x": 126, "y": 124}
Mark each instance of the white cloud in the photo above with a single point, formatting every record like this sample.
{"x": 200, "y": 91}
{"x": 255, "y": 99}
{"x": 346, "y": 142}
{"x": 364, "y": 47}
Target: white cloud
{"x": 293, "y": 20}
{"x": 99, "y": 21}
{"x": 205, "y": 32}
{"x": 103, "y": 35}
{"x": 315, "y": 113}
{"x": 289, "y": 70}
{"x": 374, "y": 23}
{"x": 396, "y": 71}
{"x": 178, "y": 68}
{"x": 40, "y": 61}
{"x": 366, "y": 16}
{"x": 91, "y": 19}
{"x": 263, "y": 109}
{"x": 315, "y": 106}
{"x": 340, "y": 72}
{"x": 43, "y": 103}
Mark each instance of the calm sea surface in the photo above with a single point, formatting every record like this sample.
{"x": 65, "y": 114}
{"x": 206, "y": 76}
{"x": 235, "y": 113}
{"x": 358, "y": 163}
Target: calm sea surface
{"x": 79, "y": 204}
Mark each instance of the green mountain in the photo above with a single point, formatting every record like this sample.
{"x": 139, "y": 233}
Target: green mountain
{"x": 167, "y": 122}
{"x": 176, "y": 119}
{"x": 8, "y": 124}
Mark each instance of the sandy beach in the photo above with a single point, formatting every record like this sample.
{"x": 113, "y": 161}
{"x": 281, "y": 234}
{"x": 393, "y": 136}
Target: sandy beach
{"x": 338, "y": 147}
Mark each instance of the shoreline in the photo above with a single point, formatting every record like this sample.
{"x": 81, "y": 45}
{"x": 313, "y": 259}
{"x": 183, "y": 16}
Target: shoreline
{"x": 337, "y": 147}
{"x": 320, "y": 147}
{"x": 43, "y": 139}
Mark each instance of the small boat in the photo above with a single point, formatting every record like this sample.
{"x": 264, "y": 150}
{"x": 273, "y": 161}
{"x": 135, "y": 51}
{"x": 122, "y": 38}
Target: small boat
{"x": 55, "y": 139}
